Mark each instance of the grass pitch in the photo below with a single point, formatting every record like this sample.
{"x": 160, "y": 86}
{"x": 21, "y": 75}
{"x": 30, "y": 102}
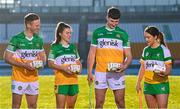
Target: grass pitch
{"x": 47, "y": 99}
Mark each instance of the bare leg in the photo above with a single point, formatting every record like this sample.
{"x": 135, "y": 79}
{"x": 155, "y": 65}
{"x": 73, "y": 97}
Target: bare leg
{"x": 100, "y": 97}
{"x": 60, "y": 101}
{"x": 151, "y": 101}
{"x": 162, "y": 100}
{"x": 71, "y": 100}
{"x": 119, "y": 98}
{"x": 16, "y": 101}
{"x": 31, "y": 101}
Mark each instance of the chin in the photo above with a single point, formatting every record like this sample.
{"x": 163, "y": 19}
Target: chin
{"x": 68, "y": 41}
{"x": 148, "y": 44}
{"x": 36, "y": 32}
{"x": 112, "y": 27}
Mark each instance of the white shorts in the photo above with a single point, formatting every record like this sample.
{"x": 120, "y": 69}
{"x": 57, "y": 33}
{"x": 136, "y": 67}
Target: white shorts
{"x": 31, "y": 88}
{"x": 114, "y": 81}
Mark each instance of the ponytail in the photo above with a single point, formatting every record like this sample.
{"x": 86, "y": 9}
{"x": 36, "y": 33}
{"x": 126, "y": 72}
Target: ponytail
{"x": 161, "y": 39}
{"x": 57, "y": 36}
{"x": 154, "y": 31}
{"x": 59, "y": 29}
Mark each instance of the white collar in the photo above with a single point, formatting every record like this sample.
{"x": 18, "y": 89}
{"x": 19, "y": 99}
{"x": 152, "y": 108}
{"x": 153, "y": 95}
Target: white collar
{"x": 109, "y": 29}
{"x": 30, "y": 39}
{"x": 65, "y": 46}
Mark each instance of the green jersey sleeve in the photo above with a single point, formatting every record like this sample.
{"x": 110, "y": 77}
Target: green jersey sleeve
{"x": 41, "y": 43}
{"x": 143, "y": 53}
{"x": 94, "y": 38}
{"x": 167, "y": 55}
{"x": 76, "y": 52}
{"x": 126, "y": 42}
{"x": 52, "y": 54}
{"x": 12, "y": 45}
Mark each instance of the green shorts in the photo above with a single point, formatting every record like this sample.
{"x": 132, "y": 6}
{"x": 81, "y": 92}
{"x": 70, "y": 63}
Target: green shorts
{"x": 154, "y": 89}
{"x": 70, "y": 90}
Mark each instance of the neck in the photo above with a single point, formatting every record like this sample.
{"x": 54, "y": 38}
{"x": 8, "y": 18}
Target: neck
{"x": 64, "y": 43}
{"x": 108, "y": 28}
{"x": 155, "y": 45}
{"x": 28, "y": 33}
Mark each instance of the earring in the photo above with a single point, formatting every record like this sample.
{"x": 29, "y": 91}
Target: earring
{"x": 158, "y": 40}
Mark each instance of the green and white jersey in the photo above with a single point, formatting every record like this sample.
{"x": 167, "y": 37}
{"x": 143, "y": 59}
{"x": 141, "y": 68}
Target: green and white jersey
{"x": 62, "y": 55}
{"x": 110, "y": 44}
{"x": 25, "y": 49}
{"x": 155, "y": 56}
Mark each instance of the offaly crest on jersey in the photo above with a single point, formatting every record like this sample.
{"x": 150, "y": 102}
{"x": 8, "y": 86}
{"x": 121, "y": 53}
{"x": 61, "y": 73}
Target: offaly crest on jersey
{"x": 118, "y": 35}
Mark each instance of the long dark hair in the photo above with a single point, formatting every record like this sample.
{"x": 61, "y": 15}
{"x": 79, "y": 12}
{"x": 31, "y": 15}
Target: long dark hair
{"x": 59, "y": 29}
{"x": 155, "y": 32}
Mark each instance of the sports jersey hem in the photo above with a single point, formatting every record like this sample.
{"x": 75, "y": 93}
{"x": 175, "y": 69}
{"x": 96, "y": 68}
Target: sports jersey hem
{"x": 25, "y": 81}
{"x": 77, "y": 58}
{"x": 67, "y": 84}
{"x": 93, "y": 45}
{"x": 51, "y": 60}
{"x": 10, "y": 51}
{"x": 41, "y": 50}
{"x": 126, "y": 47}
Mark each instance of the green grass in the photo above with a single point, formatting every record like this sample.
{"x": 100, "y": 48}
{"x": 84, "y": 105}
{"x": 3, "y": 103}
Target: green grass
{"x": 47, "y": 99}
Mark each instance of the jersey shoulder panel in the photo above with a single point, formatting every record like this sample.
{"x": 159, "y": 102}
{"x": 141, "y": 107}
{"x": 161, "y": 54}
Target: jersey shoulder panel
{"x": 18, "y": 36}
{"x": 99, "y": 30}
{"x": 144, "y": 51}
{"x": 123, "y": 33}
{"x": 14, "y": 42}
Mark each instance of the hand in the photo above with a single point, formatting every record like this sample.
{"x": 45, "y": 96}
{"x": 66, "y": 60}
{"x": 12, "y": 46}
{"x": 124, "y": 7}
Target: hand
{"x": 67, "y": 69}
{"x": 90, "y": 78}
{"x": 138, "y": 87}
{"x": 121, "y": 68}
{"x": 28, "y": 66}
{"x": 161, "y": 74}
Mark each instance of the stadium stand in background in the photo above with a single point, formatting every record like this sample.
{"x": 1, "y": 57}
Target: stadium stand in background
{"x": 86, "y": 15}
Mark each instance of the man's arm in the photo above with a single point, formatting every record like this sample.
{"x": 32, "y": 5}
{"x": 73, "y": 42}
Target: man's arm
{"x": 127, "y": 61}
{"x": 90, "y": 62}
{"x": 128, "y": 56}
{"x": 8, "y": 57}
{"x": 42, "y": 56}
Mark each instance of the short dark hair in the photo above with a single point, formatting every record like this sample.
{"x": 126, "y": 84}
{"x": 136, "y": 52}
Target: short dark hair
{"x": 30, "y": 17}
{"x": 113, "y": 13}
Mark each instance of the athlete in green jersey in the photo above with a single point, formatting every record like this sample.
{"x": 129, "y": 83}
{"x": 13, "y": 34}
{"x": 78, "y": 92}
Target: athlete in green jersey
{"x": 156, "y": 65}
{"x": 23, "y": 50}
{"x": 64, "y": 59}
{"x": 109, "y": 46}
